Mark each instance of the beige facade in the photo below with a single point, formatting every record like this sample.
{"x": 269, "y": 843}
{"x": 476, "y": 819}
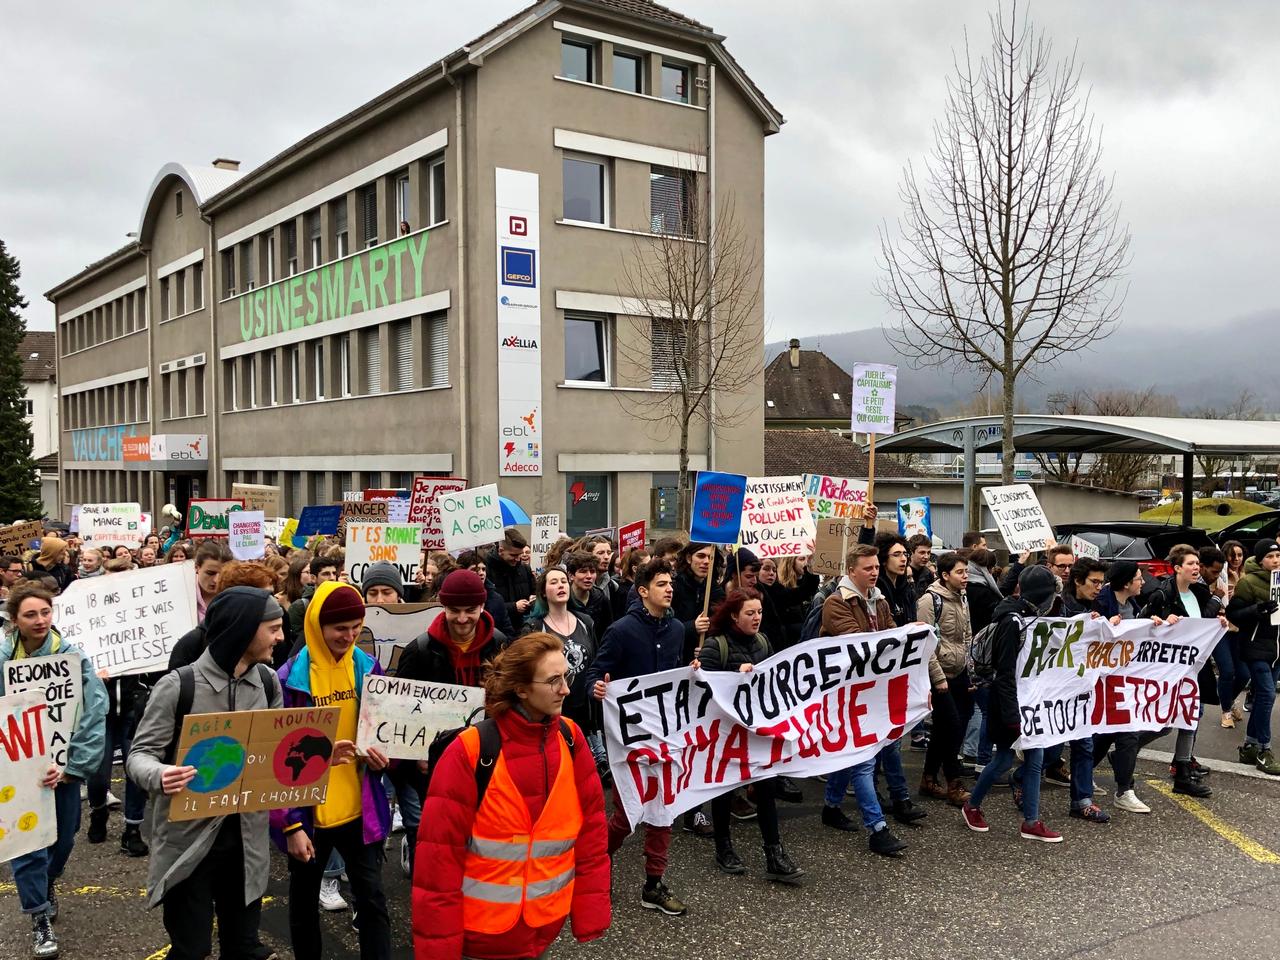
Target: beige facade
{"x": 329, "y": 321}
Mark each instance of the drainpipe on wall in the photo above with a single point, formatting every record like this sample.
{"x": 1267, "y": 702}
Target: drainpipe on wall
{"x": 460, "y": 207}
{"x": 215, "y": 367}
{"x": 711, "y": 258}
{"x": 151, "y": 407}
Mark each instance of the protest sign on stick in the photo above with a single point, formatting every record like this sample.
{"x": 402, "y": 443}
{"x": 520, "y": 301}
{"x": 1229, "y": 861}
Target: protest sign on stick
{"x": 831, "y": 546}
{"x": 471, "y": 517}
{"x": 209, "y": 518}
{"x": 247, "y": 536}
{"x": 716, "y": 514}
{"x": 128, "y": 622}
{"x": 59, "y": 683}
{"x": 390, "y": 627}
{"x": 835, "y": 498}
{"x": 402, "y": 717}
{"x": 28, "y": 819}
{"x": 680, "y": 738}
{"x": 111, "y": 524}
{"x": 362, "y": 511}
{"x": 254, "y": 760}
{"x": 16, "y": 538}
{"x": 258, "y": 496}
{"x": 397, "y": 543}
{"x": 544, "y": 530}
{"x": 424, "y": 507}
{"x": 631, "y": 536}
{"x": 1081, "y": 547}
{"x": 316, "y": 520}
{"x": 875, "y": 391}
{"x": 914, "y": 517}
{"x": 776, "y": 520}
{"x": 1275, "y": 596}
{"x": 1019, "y": 516}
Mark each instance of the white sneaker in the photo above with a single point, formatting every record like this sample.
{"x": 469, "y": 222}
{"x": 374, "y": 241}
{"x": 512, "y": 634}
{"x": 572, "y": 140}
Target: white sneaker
{"x": 404, "y": 857}
{"x": 331, "y": 895}
{"x": 112, "y": 802}
{"x": 397, "y": 823}
{"x": 1098, "y": 790}
{"x": 1129, "y": 801}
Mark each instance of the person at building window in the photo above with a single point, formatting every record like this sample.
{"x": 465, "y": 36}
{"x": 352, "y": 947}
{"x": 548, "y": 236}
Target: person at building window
{"x": 31, "y": 634}
{"x": 540, "y": 815}
{"x": 404, "y": 228}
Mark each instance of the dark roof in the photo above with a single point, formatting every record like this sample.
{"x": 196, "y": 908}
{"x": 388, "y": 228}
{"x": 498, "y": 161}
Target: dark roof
{"x": 645, "y": 10}
{"x": 807, "y": 392}
{"x": 37, "y": 353}
{"x": 788, "y": 452}
{"x": 48, "y": 464}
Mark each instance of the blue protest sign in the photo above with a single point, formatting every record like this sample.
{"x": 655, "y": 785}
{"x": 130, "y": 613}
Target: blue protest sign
{"x": 317, "y": 521}
{"x": 913, "y": 517}
{"x": 716, "y": 516}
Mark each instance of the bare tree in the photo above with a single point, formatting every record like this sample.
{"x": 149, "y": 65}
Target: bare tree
{"x": 1243, "y": 407}
{"x": 1115, "y": 471}
{"x": 693, "y": 294}
{"x": 1010, "y": 246}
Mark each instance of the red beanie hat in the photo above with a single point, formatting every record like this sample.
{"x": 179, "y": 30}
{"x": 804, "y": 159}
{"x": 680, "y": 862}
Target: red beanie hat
{"x": 463, "y": 588}
{"x": 341, "y": 605}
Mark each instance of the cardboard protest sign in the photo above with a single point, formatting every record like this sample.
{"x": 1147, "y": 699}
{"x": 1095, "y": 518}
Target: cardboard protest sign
{"x": 208, "y": 518}
{"x": 253, "y": 760}
{"x": 111, "y": 524}
{"x": 632, "y": 536}
{"x": 680, "y": 738}
{"x": 835, "y": 498}
{"x": 776, "y": 520}
{"x": 1018, "y": 514}
{"x": 247, "y": 536}
{"x": 362, "y": 511}
{"x": 28, "y": 819}
{"x": 128, "y": 622}
{"x": 402, "y": 717}
{"x": 1083, "y": 548}
{"x": 1081, "y": 676}
{"x": 389, "y": 627}
{"x": 60, "y": 685}
{"x": 875, "y": 389}
{"x": 425, "y": 510}
{"x": 716, "y": 515}
{"x": 258, "y": 496}
{"x": 17, "y": 537}
{"x": 471, "y": 517}
{"x": 545, "y": 530}
{"x": 914, "y": 517}
{"x": 398, "y": 543}
{"x": 831, "y": 547}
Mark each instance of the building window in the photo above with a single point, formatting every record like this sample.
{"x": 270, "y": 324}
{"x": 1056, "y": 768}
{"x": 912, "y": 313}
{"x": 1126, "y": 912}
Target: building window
{"x": 369, "y": 215}
{"x": 164, "y": 298}
{"x": 585, "y": 190}
{"x": 295, "y": 492}
{"x": 627, "y": 72}
{"x": 341, "y": 236}
{"x": 436, "y": 365}
{"x": 197, "y": 381}
{"x": 402, "y": 201}
{"x": 669, "y": 201}
{"x": 586, "y": 502}
{"x": 30, "y": 407}
{"x": 577, "y": 60}
{"x": 667, "y": 345}
{"x": 295, "y": 374}
{"x": 197, "y": 286}
{"x": 246, "y": 265}
{"x": 290, "y": 230}
{"x": 402, "y": 355}
{"x": 233, "y": 384}
{"x": 313, "y": 239}
{"x": 180, "y": 292}
{"x": 270, "y": 246}
{"x": 675, "y": 82}
{"x": 251, "y": 375}
{"x": 317, "y": 368}
{"x": 228, "y": 273}
{"x": 344, "y": 366}
{"x": 435, "y": 181}
{"x": 371, "y": 350}
{"x": 585, "y": 349}
{"x": 273, "y": 397}
{"x": 182, "y": 393}
{"x": 177, "y": 202}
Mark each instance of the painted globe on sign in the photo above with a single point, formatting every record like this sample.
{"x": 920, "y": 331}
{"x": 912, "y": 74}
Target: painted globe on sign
{"x": 219, "y": 761}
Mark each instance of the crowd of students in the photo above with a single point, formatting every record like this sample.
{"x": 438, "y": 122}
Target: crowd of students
{"x": 508, "y": 834}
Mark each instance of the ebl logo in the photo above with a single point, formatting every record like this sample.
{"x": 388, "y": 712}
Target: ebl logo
{"x": 519, "y": 267}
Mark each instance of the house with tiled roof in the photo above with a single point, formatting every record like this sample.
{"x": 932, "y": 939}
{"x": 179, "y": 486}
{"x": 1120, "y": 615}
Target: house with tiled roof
{"x": 807, "y": 389}
{"x": 39, "y": 378}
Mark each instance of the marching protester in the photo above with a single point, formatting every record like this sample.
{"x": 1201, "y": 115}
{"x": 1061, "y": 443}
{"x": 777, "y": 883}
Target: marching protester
{"x": 355, "y": 817}
{"x": 511, "y": 850}
{"x": 632, "y": 561}
{"x": 460, "y": 641}
{"x": 90, "y": 563}
{"x": 585, "y": 596}
{"x": 236, "y": 573}
{"x": 11, "y": 571}
{"x": 792, "y": 593}
{"x": 920, "y": 554}
{"x": 1251, "y": 610}
{"x": 52, "y": 562}
{"x": 983, "y": 593}
{"x": 512, "y": 578}
{"x": 321, "y": 569}
{"x": 210, "y": 556}
{"x": 945, "y": 608}
{"x": 736, "y": 643}
{"x": 215, "y": 867}
{"x": 497, "y": 607}
{"x": 648, "y": 639}
{"x": 31, "y": 634}
{"x": 696, "y": 562}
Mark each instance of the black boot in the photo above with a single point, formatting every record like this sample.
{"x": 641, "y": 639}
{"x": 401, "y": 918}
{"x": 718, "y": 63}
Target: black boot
{"x": 131, "y": 841}
{"x": 52, "y": 896}
{"x": 1184, "y": 782}
{"x": 98, "y": 817}
{"x": 788, "y": 790}
{"x": 906, "y": 812}
{"x": 727, "y": 859}
{"x": 778, "y": 866}
{"x": 885, "y": 843}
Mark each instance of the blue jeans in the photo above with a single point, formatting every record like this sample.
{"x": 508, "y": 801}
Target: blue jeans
{"x": 1001, "y": 761}
{"x": 889, "y": 762}
{"x": 1082, "y": 773}
{"x": 981, "y": 699}
{"x": 334, "y": 867}
{"x": 1264, "y": 698}
{"x": 863, "y": 776}
{"x": 120, "y": 732}
{"x": 1232, "y": 672}
{"x": 33, "y": 871}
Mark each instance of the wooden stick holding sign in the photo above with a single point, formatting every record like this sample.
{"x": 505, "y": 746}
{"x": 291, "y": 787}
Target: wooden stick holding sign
{"x": 716, "y": 517}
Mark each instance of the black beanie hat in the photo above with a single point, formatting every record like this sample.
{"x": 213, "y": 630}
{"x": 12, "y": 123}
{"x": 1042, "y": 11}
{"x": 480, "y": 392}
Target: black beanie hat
{"x": 1038, "y": 586}
{"x": 1263, "y": 547}
{"x": 231, "y": 620}
{"x": 1120, "y": 573}
{"x": 382, "y": 574}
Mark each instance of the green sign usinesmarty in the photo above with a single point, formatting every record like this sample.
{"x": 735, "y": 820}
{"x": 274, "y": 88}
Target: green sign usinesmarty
{"x": 383, "y": 276}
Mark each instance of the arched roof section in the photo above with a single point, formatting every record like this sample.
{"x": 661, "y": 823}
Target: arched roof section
{"x": 201, "y": 180}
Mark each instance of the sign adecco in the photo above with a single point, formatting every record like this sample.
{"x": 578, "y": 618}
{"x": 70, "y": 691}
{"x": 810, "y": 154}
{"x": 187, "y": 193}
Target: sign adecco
{"x": 208, "y": 518}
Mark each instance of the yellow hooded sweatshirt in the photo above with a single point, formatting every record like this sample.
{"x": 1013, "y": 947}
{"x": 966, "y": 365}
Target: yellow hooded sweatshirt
{"x": 333, "y": 684}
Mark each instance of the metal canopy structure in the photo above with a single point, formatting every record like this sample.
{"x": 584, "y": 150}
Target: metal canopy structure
{"x": 1047, "y": 433}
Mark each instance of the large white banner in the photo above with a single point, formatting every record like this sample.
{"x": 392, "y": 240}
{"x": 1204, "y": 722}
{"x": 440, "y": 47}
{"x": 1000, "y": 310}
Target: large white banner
{"x": 519, "y": 324}
{"x": 1081, "y": 676}
{"x": 679, "y": 738}
{"x": 776, "y": 519}
{"x": 129, "y": 622}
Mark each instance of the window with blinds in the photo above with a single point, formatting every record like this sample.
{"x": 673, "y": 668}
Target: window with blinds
{"x": 338, "y": 212}
{"x": 668, "y": 201}
{"x": 436, "y": 334}
{"x": 344, "y": 366}
{"x": 295, "y": 374}
{"x": 246, "y": 265}
{"x": 291, "y": 248}
{"x": 313, "y": 238}
{"x": 371, "y": 350}
{"x": 667, "y": 348}
{"x": 369, "y": 215}
{"x": 402, "y": 355}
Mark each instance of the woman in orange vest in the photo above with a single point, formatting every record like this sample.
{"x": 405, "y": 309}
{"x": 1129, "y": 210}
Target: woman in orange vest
{"x": 513, "y": 836}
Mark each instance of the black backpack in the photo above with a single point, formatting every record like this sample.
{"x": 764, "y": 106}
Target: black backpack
{"x": 490, "y": 747}
{"x": 187, "y": 695}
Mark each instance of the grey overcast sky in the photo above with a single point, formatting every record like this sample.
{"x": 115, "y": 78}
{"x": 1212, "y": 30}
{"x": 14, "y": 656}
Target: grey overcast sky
{"x": 99, "y": 96}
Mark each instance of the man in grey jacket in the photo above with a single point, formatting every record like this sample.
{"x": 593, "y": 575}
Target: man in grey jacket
{"x": 219, "y": 864}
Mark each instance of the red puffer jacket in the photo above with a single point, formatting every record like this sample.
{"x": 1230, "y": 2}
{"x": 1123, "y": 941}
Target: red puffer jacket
{"x": 447, "y": 818}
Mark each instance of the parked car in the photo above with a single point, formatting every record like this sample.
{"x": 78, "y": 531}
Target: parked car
{"x": 1144, "y": 541}
{"x": 1249, "y": 530}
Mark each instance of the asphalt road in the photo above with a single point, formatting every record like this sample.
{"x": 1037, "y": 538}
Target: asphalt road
{"x": 1203, "y": 876}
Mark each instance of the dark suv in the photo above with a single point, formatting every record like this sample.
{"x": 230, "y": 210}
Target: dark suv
{"x": 1143, "y": 541}
{"x": 1249, "y": 530}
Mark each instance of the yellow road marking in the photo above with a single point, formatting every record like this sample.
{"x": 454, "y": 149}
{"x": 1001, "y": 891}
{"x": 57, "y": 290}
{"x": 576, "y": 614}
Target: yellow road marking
{"x": 1249, "y": 847}
{"x": 159, "y": 954}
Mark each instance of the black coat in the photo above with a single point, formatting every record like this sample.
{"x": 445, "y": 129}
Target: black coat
{"x": 982, "y": 603}
{"x": 598, "y": 609}
{"x": 1003, "y": 714}
{"x": 902, "y": 596}
{"x": 512, "y": 583}
{"x": 686, "y": 604}
{"x": 740, "y": 648}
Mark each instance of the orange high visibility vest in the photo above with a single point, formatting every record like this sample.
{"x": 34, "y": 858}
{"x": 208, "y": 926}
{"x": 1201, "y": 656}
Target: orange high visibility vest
{"x": 515, "y": 866}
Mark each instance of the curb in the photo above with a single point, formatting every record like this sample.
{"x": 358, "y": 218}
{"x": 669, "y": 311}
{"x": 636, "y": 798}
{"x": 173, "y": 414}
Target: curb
{"x": 1218, "y": 766}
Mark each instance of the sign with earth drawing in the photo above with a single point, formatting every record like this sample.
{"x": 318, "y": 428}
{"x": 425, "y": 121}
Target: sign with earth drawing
{"x": 254, "y": 760}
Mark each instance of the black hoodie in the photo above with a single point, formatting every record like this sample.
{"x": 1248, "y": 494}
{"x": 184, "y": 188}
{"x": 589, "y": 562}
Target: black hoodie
{"x": 232, "y": 619}
{"x": 1003, "y": 717}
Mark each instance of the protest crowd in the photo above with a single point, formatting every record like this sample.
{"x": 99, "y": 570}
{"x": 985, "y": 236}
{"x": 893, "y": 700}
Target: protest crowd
{"x": 508, "y": 820}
